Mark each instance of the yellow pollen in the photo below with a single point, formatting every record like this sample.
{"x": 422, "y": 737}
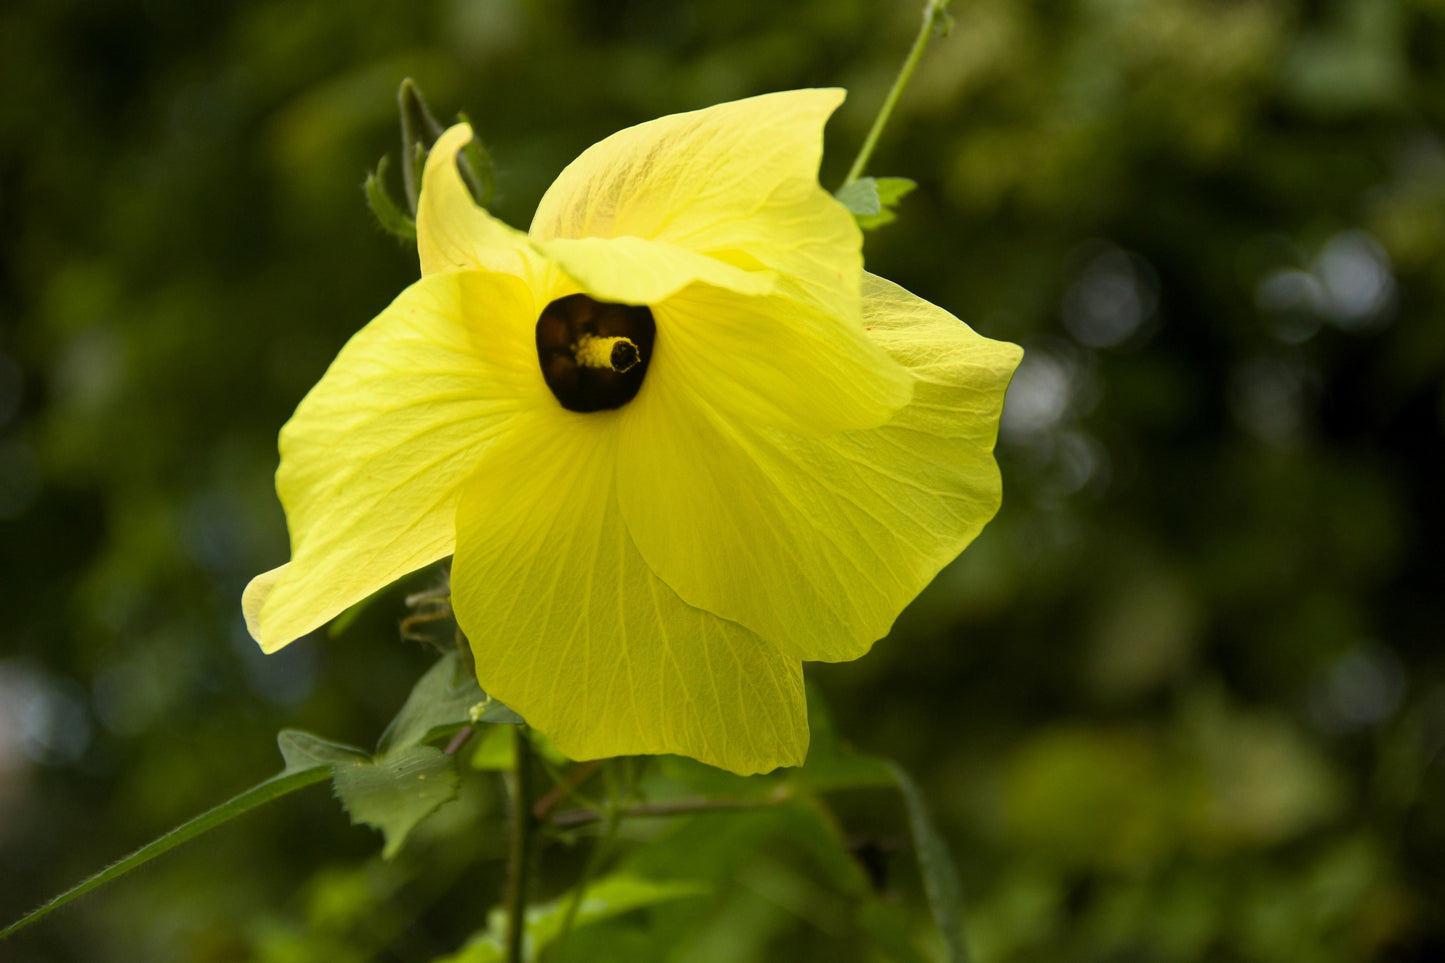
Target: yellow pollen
{"x": 618, "y": 354}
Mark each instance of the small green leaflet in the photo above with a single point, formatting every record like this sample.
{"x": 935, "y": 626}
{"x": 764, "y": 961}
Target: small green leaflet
{"x": 872, "y": 199}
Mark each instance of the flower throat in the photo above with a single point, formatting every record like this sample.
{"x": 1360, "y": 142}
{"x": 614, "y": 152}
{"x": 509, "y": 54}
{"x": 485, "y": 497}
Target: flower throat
{"x": 594, "y": 354}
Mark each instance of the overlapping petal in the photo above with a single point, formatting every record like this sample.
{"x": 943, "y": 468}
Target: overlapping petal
{"x": 738, "y": 181}
{"x": 819, "y": 542}
{"x": 767, "y": 361}
{"x": 570, "y": 627}
{"x": 371, "y": 461}
{"x": 452, "y": 232}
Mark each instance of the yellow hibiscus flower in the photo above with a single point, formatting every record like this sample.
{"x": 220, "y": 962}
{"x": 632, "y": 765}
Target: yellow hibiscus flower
{"x": 677, "y": 441}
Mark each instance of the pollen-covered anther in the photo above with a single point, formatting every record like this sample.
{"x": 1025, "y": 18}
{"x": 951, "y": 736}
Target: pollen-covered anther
{"x": 615, "y": 354}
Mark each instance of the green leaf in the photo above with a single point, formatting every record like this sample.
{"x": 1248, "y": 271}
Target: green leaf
{"x": 387, "y": 214}
{"x": 274, "y": 788}
{"x": 608, "y": 897}
{"x": 891, "y": 190}
{"x": 442, "y": 702}
{"x": 303, "y": 751}
{"x": 441, "y": 699}
{"x": 935, "y": 865}
{"x": 860, "y": 197}
{"x": 872, "y": 199}
{"x": 396, "y": 792}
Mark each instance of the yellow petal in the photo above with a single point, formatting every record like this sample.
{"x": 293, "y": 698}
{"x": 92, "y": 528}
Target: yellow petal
{"x": 766, "y": 360}
{"x": 738, "y": 181}
{"x": 819, "y": 542}
{"x": 629, "y": 270}
{"x": 570, "y": 628}
{"x": 371, "y": 461}
{"x": 452, "y": 232}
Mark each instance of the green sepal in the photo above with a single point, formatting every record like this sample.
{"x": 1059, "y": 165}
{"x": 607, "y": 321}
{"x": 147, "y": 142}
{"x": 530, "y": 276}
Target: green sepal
{"x": 388, "y": 215}
{"x": 419, "y": 131}
{"x": 477, "y": 168}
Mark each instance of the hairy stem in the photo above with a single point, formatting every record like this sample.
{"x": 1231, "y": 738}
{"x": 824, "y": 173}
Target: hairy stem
{"x": 933, "y": 15}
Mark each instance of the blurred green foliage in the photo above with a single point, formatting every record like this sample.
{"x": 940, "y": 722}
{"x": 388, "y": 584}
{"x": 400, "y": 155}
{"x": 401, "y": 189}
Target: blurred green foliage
{"x": 1184, "y": 699}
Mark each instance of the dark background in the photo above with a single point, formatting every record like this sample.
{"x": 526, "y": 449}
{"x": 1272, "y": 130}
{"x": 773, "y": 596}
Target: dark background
{"x": 1183, "y": 699}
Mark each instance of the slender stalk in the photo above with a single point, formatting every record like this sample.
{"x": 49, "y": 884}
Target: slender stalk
{"x": 519, "y": 856}
{"x": 459, "y": 740}
{"x": 933, "y": 14}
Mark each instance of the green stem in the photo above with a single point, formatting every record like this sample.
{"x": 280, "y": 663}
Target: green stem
{"x": 676, "y": 807}
{"x": 519, "y": 856}
{"x": 265, "y": 792}
{"x": 933, "y": 14}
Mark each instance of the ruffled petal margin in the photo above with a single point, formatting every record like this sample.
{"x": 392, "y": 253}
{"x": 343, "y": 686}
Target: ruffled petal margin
{"x": 819, "y": 542}
{"x": 372, "y": 459}
{"x": 570, "y": 627}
